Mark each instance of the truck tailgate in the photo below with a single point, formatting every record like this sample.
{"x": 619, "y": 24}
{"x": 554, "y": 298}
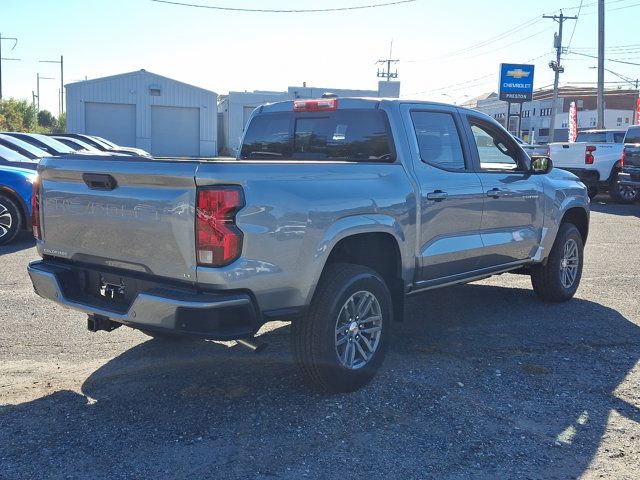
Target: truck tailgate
{"x": 568, "y": 155}
{"x": 124, "y": 212}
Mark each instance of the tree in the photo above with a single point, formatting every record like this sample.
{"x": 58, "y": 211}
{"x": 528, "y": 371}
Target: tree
{"x": 61, "y": 124}
{"x": 46, "y": 119}
{"x": 17, "y": 115}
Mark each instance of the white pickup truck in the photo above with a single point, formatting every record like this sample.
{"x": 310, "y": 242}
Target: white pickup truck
{"x": 595, "y": 158}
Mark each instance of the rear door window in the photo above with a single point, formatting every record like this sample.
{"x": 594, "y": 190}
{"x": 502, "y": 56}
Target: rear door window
{"x": 438, "y": 140}
{"x": 349, "y": 135}
{"x": 618, "y": 137}
{"x": 633, "y": 135}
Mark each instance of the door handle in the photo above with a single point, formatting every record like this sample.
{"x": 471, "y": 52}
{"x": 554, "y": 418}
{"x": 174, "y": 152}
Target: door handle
{"x": 99, "y": 181}
{"x": 496, "y": 193}
{"x": 437, "y": 195}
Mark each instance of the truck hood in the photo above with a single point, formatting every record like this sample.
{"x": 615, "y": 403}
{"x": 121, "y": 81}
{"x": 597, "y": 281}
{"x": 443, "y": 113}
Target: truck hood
{"x": 560, "y": 174}
{"x": 26, "y": 173}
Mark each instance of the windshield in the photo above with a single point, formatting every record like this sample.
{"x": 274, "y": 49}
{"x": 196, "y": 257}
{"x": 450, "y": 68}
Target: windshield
{"x": 22, "y": 147}
{"x": 106, "y": 142}
{"x": 53, "y": 143}
{"x": 351, "y": 135}
{"x": 13, "y": 156}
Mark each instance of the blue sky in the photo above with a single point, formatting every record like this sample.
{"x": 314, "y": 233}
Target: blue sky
{"x": 224, "y": 51}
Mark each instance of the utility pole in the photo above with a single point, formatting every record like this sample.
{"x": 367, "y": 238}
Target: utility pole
{"x": 15, "y": 42}
{"x": 556, "y": 67}
{"x": 388, "y": 74}
{"x": 600, "y": 63}
{"x": 61, "y": 96}
{"x": 38, "y": 78}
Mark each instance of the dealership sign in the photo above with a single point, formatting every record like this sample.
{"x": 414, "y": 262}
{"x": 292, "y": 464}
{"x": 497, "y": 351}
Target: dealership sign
{"x": 516, "y": 82}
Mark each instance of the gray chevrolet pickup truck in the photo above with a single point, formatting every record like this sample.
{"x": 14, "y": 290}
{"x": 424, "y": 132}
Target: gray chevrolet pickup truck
{"x": 334, "y": 211}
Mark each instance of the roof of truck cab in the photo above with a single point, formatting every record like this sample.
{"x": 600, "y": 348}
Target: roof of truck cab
{"x": 604, "y": 130}
{"x": 358, "y": 102}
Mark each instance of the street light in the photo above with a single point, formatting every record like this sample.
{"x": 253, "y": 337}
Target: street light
{"x": 15, "y": 42}
{"x": 453, "y": 100}
{"x": 61, "y": 62}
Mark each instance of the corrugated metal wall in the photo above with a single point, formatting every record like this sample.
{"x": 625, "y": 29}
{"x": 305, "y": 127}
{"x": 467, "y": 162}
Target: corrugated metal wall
{"x": 135, "y": 89}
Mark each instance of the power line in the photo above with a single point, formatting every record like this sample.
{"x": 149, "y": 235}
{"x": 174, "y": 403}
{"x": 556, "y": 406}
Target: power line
{"x": 469, "y": 83}
{"x": 575, "y": 24}
{"x": 572, "y": 52}
{"x": 265, "y": 10}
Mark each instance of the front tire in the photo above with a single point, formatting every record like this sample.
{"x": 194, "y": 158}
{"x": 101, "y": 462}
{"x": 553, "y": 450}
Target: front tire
{"x": 558, "y": 280}
{"x": 11, "y": 220}
{"x": 341, "y": 343}
{"x": 622, "y": 193}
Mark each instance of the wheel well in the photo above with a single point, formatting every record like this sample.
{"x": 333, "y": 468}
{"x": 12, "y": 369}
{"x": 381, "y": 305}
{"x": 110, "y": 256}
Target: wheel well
{"x": 578, "y": 216}
{"x": 379, "y": 252}
{"x": 615, "y": 169}
{"x": 19, "y": 202}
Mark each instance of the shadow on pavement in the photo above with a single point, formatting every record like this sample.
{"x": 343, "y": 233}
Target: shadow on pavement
{"x": 613, "y": 208}
{"x": 22, "y": 242}
{"x": 480, "y": 382}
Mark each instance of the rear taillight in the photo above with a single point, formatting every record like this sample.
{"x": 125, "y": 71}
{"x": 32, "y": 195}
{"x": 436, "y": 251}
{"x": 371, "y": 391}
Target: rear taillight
{"x": 588, "y": 157}
{"x": 323, "y": 105}
{"x": 35, "y": 209}
{"x": 622, "y": 158}
{"x": 218, "y": 239}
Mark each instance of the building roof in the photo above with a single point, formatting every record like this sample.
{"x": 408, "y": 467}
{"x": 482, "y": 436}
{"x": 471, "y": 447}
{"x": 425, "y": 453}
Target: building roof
{"x": 141, "y": 72}
{"x": 473, "y": 102}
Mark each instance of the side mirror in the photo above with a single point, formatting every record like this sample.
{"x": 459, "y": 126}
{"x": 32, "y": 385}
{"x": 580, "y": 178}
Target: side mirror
{"x": 540, "y": 164}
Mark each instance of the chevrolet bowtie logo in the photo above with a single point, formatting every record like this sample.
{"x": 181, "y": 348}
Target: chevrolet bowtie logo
{"x": 518, "y": 73}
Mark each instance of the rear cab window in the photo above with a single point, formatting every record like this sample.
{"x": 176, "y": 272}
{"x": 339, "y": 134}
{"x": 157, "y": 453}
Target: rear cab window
{"x": 355, "y": 135}
{"x": 633, "y": 135}
{"x": 592, "y": 137}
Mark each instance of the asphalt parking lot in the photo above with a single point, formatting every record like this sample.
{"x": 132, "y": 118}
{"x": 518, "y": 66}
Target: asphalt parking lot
{"x": 481, "y": 381}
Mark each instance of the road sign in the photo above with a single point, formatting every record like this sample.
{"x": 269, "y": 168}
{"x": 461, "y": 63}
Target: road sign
{"x": 516, "y": 82}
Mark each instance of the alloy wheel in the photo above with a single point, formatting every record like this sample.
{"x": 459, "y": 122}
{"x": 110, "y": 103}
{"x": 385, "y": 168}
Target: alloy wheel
{"x": 569, "y": 264}
{"x": 358, "y": 330}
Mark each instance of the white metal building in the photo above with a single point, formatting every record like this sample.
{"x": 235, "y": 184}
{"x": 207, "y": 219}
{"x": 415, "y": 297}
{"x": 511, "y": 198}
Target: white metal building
{"x": 145, "y": 110}
{"x": 234, "y": 109}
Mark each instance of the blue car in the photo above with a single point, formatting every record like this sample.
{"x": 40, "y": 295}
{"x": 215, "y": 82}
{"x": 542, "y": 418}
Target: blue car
{"x": 16, "y": 185}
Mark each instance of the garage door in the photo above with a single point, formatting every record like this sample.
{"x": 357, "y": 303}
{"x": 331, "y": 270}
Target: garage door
{"x": 175, "y": 131}
{"x": 113, "y": 121}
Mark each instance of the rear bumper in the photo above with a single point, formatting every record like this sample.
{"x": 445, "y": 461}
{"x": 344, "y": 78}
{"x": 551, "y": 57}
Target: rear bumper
{"x": 589, "y": 177}
{"x": 178, "y": 310}
{"x": 629, "y": 179}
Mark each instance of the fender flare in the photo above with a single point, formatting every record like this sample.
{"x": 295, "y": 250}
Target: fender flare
{"x": 354, "y": 225}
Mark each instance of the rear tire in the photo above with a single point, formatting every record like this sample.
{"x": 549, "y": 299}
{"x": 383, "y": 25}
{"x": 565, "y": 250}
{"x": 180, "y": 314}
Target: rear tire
{"x": 11, "y": 220}
{"x": 341, "y": 343}
{"x": 558, "y": 280}
{"x": 622, "y": 194}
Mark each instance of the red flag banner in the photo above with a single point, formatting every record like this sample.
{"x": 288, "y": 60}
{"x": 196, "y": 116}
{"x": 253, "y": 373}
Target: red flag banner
{"x": 638, "y": 111}
{"x": 573, "y": 121}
